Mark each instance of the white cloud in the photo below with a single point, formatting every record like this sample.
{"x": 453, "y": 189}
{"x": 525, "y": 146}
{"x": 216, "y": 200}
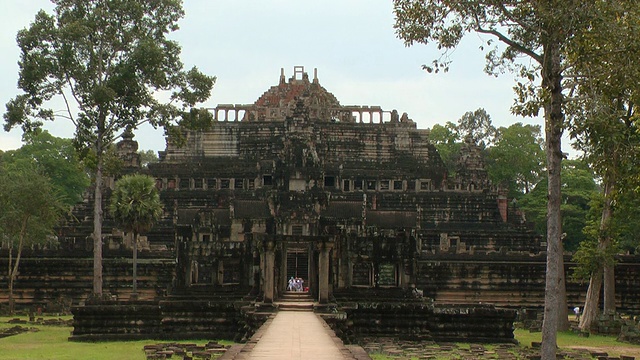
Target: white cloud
{"x": 352, "y": 43}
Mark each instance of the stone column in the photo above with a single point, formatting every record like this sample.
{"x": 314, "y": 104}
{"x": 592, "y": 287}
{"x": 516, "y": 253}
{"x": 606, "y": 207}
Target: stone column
{"x": 269, "y": 271}
{"x": 323, "y": 271}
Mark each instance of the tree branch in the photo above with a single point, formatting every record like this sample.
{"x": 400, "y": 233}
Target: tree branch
{"x": 509, "y": 15}
{"x": 66, "y": 103}
{"x": 507, "y": 41}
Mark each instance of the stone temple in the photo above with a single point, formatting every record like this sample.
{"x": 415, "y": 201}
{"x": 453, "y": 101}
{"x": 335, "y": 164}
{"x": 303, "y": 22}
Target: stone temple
{"x": 345, "y": 197}
{"x": 354, "y": 200}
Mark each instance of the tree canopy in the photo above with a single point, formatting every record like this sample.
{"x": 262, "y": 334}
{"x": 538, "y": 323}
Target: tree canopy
{"x": 111, "y": 64}
{"x": 135, "y": 203}
{"x": 31, "y": 207}
{"x": 517, "y": 158}
{"x": 555, "y": 36}
{"x": 55, "y": 157}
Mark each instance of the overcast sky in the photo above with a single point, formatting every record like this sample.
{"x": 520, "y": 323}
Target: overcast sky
{"x": 352, "y": 43}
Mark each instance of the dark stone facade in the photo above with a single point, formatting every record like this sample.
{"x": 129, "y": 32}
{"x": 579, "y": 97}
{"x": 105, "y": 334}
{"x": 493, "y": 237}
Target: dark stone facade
{"x": 352, "y": 199}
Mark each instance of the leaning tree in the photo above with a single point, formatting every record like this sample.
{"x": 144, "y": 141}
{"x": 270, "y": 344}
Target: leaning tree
{"x": 108, "y": 64}
{"x": 605, "y": 127}
{"x": 537, "y": 40}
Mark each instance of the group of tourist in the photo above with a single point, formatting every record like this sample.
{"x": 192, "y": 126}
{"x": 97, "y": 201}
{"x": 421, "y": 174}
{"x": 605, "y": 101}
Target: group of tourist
{"x": 296, "y": 284}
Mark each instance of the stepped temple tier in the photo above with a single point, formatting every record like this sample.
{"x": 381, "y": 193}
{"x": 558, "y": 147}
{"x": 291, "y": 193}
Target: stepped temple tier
{"x": 350, "y": 205}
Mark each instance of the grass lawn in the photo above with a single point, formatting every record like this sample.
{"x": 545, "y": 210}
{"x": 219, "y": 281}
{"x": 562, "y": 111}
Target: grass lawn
{"x": 50, "y": 342}
{"x": 568, "y": 339}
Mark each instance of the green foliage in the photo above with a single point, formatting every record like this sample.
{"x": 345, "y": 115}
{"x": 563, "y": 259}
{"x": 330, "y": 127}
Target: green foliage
{"x": 147, "y": 157}
{"x": 626, "y": 221}
{"x": 30, "y": 205}
{"x": 578, "y": 190}
{"x": 517, "y": 158}
{"x": 110, "y": 60}
{"x": 477, "y": 126}
{"x": 112, "y": 164}
{"x": 447, "y": 142}
{"x": 135, "y": 203}
{"x": 57, "y": 158}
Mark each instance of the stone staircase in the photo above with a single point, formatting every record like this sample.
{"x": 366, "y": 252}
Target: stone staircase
{"x": 295, "y": 301}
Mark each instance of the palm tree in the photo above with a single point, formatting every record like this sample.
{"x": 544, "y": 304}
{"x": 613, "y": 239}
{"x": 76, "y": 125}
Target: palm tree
{"x": 135, "y": 205}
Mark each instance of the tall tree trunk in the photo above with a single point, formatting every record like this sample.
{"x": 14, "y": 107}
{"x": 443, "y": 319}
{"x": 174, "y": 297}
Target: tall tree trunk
{"x": 97, "y": 223}
{"x": 563, "y": 306}
{"x": 554, "y": 118}
{"x": 13, "y": 272}
{"x": 11, "y": 300}
{"x": 592, "y": 301}
{"x": 135, "y": 264}
{"x": 609, "y": 288}
{"x": 609, "y": 274}
{"x": 590, "y": 311}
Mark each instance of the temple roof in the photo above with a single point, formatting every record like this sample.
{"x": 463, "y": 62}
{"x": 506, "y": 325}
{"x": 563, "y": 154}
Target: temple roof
{"x": 298, "y": 87}
{"x": 298, "y": 97}
{"x": 303, "y": 99}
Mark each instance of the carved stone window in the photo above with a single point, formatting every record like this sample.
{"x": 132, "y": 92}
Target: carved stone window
{"x": 212, "y": 183}
{"x": 425, "y": 185}
{"x": 346, "y": 185}
{"x": 357, "y": 184}
{"x": 225, "y": 183}
{"x": 411, "y": 185}
{"x": 239, "y": 183}
{"x": 171, "y": 184}
{"x": 185, "y": 184}
{"x": 384, "y": 185}
{"x": 329, "y": 181}
{"x": 361, "y": 274}
{"x": 387, "y": 275}
{"x": 267, "y": 180}
{"x": 231, "y": 273}
{"x": 397, "y": 185}
{"x": 159, "y": 184}
{"x": 371, "y": 184}
{"x": 197, "y": 183}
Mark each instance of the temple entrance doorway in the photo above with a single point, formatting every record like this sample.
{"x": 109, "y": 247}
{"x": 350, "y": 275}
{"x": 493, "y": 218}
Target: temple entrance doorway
{"x": 298, "y": 268}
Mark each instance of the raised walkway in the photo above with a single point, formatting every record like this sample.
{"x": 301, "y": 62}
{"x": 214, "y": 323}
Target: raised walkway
{"x": 295, "y": 335}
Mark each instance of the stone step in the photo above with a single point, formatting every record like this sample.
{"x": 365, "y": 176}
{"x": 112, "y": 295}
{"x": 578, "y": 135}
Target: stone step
{"x": 296, "y": 295}
{"x": 295, "y": 301}
{"x": 295, "y": 306}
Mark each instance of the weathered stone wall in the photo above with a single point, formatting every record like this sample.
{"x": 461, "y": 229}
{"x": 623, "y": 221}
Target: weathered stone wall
{"x": 391, "y": 313}
{"x": 514, "y": 281}
{"x": 53, "y": 281}
{"x": 174, "y": 318}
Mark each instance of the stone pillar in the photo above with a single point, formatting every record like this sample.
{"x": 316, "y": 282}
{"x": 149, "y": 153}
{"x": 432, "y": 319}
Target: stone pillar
{"x": 323, "y": 271}
{"x": 269, "y": 271}
{"x": 503, "y": 205}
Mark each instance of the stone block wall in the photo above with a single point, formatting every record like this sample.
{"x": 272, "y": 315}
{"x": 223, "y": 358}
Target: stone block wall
{"x": 54, "y": 281}
{"x": 171, "y": 319}
{"x": 371, "y": 314}
{"x": 513, "y": 280}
